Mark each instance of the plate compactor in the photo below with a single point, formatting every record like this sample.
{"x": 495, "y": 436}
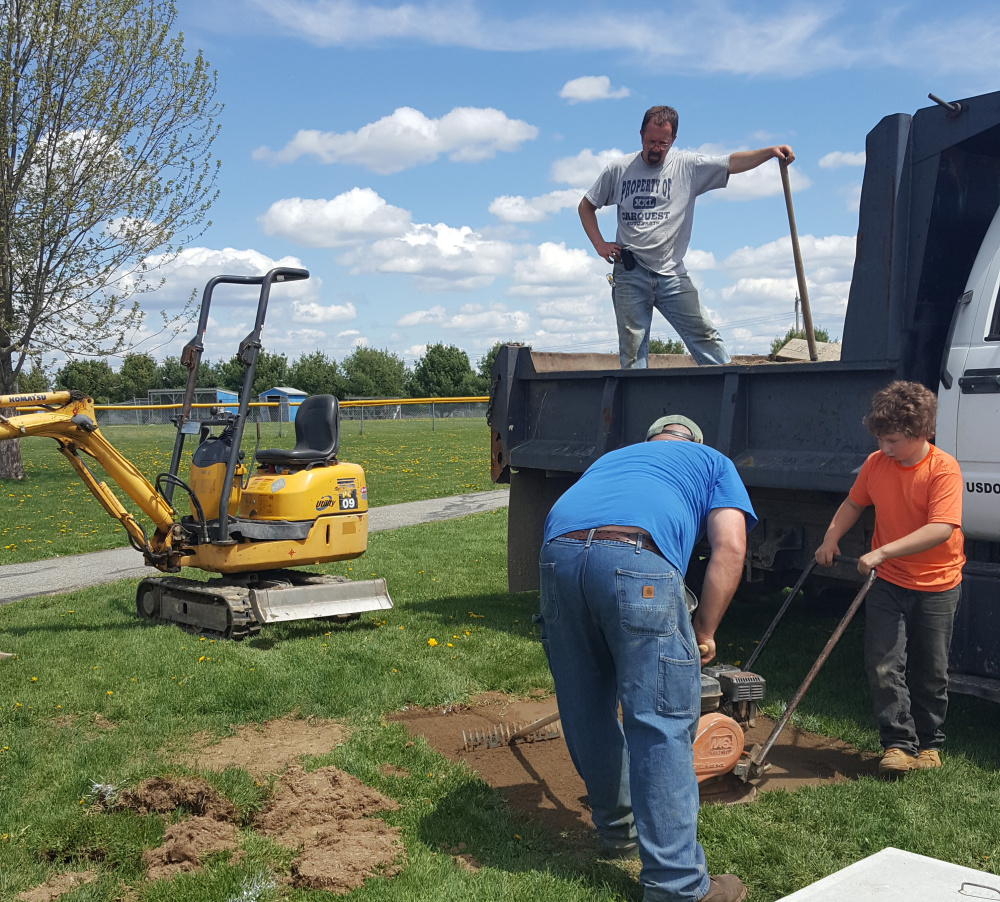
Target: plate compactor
{"x": 730, "y": 700}
{"x": 299, "y": 506}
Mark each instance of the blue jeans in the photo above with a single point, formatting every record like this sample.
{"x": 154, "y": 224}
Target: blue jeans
{"x": 636, "y": 293}
{"x": 907, "y": 640}
{"x": 615, "y": 628}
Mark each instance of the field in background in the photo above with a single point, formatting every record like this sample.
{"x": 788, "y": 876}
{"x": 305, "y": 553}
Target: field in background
{"x": 154, "y": 688}
{"x": 51, "y": 512}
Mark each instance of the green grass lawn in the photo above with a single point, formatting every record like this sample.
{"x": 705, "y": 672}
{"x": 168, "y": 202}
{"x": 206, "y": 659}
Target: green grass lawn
{"x": 51, "y": 512}
{"x": 87, "y": 653}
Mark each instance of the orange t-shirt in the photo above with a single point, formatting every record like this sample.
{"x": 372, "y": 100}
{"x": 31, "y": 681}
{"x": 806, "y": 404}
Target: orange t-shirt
{"x": 907, "y": 498}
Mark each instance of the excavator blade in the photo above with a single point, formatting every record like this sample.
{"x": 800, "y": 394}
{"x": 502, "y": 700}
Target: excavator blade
{"x": 318, "y": 596}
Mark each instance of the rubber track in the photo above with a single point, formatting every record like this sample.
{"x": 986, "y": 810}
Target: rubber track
{"x": 237, "y": 599}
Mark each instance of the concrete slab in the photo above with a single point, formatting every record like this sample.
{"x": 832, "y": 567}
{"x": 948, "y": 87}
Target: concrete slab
{"x": 66, "y": 574}
{"x": 893, "y": 875}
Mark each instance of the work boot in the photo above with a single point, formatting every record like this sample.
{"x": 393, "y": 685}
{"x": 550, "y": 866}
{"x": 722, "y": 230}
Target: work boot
{"x": 926, "y": 759}
{"x": 895, "y": 763}
{"x": 622, "y": 850}
{"x": 725, "y": 888}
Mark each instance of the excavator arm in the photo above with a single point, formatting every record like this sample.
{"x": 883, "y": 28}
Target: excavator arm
{"x": 69, "y": 418}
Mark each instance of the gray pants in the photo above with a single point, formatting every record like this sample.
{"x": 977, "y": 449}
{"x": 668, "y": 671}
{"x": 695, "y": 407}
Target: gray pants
{"x": 907, "y": 640}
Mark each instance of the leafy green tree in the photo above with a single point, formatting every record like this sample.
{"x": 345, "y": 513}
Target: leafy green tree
{"x": 106, "y": 132}
{"x": 780, "y": 341}
{"x": 271, "y": 371}
{"x": 371, "y": 373}
{"x": 670, "y": 346}
{"x": 208, "y": 375}
{"x": 171, "y": 373}
{"x": 136, "y": 376}
{"x": 486, "y": 365}
{"x": 316, "y": 374}
{"x": 443, "y": 372}
{"x": 92, "y": 377}
{"x": 32, "y": 381}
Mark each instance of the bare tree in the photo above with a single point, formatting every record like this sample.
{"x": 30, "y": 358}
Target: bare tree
{"x": 106, "y": 131}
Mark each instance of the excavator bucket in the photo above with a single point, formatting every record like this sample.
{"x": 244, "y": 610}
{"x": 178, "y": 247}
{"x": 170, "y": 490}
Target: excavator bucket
{"x": 312, "y": 596}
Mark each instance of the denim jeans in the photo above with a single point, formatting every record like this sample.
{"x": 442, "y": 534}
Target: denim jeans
{"x": 636, "y": 293}
{"x": 615, "y": 628}
{"x": 907, "y": 640}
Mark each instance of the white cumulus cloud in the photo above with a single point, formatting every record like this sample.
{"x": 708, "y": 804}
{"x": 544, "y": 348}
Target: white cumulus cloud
{"x": 583, "y": 169}
{"x": 591, "y": 87}
{"x": 439, "y": 257}
{"x": 534, "y": 209}
{"x": 408, "y": 138}
{"x": 312, "y": 312}
{"x": 839, "y": 158}
{"x": 554, "y": 269}
{"x": 356, "y": 215}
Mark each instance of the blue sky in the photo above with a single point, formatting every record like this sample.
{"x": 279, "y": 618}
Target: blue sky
{"x": 424, "y": 161}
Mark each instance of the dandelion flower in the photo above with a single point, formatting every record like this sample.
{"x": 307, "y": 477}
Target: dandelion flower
{"x": 432, "y": 642}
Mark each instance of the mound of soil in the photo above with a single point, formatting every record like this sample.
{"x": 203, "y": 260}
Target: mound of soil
{"x": 539, "y": 779}
{"x": 326, "y": 813}
{"x": 267, "y": 749}
{"x": 185, "y": 844}
{"x": 163, "y": 795}
{"x": 57, "y": 886}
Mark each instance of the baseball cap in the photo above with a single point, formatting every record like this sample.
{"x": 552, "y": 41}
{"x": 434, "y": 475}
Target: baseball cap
{"x": 675, "y": 419}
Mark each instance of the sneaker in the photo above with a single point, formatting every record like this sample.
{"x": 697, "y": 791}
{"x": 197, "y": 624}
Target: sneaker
{"x": 895, "y": 762}
{"x": 725, "y": 888}
{"x": 926, "y": 759}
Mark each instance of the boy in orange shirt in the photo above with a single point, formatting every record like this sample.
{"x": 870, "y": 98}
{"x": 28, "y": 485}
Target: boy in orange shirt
{"x": 917, "y": 552}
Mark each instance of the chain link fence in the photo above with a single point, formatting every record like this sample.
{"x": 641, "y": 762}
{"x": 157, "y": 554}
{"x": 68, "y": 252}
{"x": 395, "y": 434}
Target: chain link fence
{"x": 141, "y": 413}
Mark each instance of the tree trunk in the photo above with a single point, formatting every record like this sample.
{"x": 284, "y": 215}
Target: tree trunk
{"x": 10, "y": 455}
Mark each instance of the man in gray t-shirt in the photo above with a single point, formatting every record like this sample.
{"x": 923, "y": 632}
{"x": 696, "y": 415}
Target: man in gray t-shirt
{"x": 655, "y": 192}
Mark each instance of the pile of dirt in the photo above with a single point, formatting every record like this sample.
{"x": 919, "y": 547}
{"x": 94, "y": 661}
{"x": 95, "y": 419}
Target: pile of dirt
{"x": 266, "y": 749}
{"x": 162, "y": 795}
{"x": 185, "y": 844}
{"x": 539, "y": 779}
{"x": 326, "y": 813}
{"x": 57, "y": 886}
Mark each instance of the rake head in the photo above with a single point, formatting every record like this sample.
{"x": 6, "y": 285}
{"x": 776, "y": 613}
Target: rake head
{"x": 511, "y": 734}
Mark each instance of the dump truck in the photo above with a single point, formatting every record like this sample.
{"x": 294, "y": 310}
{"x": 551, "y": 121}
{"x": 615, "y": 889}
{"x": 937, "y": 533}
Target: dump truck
{"x": 923, "y": 306}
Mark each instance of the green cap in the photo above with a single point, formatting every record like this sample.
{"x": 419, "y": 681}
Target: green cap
{"x": 675, "y": 419}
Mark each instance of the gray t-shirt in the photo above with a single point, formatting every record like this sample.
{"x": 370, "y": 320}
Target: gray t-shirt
{"x": 656, "y": 203}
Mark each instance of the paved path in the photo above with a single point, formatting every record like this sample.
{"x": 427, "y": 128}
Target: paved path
{"x": 64, "y": 574}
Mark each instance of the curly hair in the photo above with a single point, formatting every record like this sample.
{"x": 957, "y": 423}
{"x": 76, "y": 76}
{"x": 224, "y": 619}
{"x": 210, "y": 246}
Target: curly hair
{"x": 660, "y": 115}
{"x": 906, "y": 407}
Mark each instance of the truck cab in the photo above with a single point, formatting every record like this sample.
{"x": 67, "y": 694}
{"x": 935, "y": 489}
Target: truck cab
{"x": 969, "y": 394}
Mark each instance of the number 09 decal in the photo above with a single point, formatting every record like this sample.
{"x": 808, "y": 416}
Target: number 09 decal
{"x": 349, "y": 502}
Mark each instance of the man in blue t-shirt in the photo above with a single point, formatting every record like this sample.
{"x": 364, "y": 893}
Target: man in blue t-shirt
{"x": 616, "y": 628}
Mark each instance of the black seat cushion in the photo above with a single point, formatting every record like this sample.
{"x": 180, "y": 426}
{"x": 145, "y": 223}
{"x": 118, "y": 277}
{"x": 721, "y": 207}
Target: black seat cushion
{"x": 317, "y": 435}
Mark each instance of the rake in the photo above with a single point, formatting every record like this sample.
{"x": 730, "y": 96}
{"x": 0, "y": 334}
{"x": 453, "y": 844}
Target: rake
{"x": 505, "y": 734}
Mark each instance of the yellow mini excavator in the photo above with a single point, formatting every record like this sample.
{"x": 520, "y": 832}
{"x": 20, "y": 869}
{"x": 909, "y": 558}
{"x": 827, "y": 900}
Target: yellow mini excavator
{"x": 296, "y": 507}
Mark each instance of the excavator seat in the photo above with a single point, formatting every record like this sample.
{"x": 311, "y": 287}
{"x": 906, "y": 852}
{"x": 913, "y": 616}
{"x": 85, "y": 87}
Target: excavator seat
{"x": 317, "y": 436}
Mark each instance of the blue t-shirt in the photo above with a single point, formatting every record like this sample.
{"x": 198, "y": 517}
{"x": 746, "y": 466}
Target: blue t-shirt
{"x": 664, "y": 487}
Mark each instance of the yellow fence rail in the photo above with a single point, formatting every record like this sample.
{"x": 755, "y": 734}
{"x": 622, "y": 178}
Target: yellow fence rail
{"x": 357, "y": 409}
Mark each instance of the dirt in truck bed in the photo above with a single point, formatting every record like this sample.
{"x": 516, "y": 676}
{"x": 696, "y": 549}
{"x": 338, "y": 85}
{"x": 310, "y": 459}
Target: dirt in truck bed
{"x": 539, "y": 779}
